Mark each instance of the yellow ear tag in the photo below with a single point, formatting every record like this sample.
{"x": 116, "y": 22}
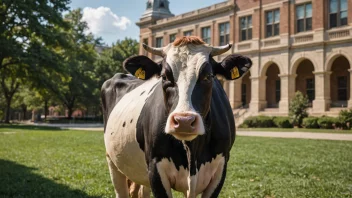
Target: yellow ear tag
{"x": 140, "y": 73}
{"x": 235, "y": 73}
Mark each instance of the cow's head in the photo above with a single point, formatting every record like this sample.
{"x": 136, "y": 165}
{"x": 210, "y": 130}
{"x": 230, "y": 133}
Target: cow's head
{"x": 187, "y": 72}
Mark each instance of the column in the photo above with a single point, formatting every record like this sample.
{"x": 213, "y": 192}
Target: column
{"x": 258, "y": 101}
{"x": 284, "y": 95}
{"x": 320, "y": 103}
{"x": 350, "y": 99}
{"x": 235, "y": 93}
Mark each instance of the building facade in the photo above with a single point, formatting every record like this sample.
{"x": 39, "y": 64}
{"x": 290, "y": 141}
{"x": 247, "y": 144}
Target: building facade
{"x": 295, "y": 45}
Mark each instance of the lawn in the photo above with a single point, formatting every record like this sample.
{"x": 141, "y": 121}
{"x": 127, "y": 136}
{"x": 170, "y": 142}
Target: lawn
{"x": 36, "y": 162}
{"x": 296, "y": 130}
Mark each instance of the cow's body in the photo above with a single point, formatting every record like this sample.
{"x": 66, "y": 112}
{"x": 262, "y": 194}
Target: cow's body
{"x": 174, "y": 131}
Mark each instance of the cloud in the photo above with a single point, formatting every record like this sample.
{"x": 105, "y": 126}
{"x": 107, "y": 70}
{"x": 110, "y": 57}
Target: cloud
{"x": 102, "y": 20}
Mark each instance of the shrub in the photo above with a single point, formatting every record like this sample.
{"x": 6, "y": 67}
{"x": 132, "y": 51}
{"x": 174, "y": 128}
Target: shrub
{"x": 298, "y": 109}
{"x": 258, "y": 122}
{"x": 310, "y": 123}
{"x": 327, "y": 122}
{"x": 345, "y": 118}
{"x": 282, "y": 122}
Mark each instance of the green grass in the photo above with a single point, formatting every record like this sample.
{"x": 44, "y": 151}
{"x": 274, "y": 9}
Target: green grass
{"x": 296, "y": 130}
{"x": 64, "y": 163}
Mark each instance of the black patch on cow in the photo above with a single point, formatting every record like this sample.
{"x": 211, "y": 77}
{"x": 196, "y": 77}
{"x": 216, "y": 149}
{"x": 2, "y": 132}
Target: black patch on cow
{"x": 124, "y": 124}
{"x": 114, "y": 89}
{"x": 131, "y": 121}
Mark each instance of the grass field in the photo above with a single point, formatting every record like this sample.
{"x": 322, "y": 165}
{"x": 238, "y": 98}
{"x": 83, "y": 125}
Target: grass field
{"x": 297, "y": 130}
{"x": 36, "y": 162}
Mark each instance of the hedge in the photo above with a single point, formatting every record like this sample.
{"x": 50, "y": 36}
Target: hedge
{"x": 310, "y": 123}
{"x": 327, "y": 122}
{"x": 282, "y": 122}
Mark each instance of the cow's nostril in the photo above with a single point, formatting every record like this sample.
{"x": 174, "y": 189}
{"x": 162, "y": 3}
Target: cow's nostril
{"x": 193, "y": 123}
{"x": 176, "y": 125}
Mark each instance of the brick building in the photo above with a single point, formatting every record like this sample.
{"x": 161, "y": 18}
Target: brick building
{"x": 303, "y": 45}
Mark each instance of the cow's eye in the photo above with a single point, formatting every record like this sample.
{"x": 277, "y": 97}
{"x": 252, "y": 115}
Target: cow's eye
{"x": 164, "y": 77}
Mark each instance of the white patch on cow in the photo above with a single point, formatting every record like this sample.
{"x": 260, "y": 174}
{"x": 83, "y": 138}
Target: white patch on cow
{"x": 185, "y": 62}
{"x": 120, "y": 135}
{"x": 204, "y": 181}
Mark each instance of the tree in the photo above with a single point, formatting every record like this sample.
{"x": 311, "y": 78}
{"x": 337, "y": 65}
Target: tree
{"x": 111, "y": 59}
{"x": 27, "y": 28}
{"x": 298, "y": 109}
{"x": 78, "y": 61}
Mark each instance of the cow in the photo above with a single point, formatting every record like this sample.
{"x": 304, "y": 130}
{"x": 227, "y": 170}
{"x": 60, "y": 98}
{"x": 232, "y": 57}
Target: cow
{"x": 169, "y": 125}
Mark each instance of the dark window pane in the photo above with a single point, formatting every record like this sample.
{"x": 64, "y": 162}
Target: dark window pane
{"x": 222, "y": 40}
{"x": 277, "y": 16}
{"x": 269, "y": 30}
{"x": 277, "y": 29}
{"x": 342, "y": 88}
{"x": 278, "y": 90}
{"x": 250, "y": 34}
{"x": 333, "y": 20}
{"x": 308, "y": 24}
{"x": 300, "y": 25}
{"x": 244, "y": 94}
{"x": 249, "y": 22}
{"x": 343, "y": 18}
{"x": 227, "y": 39}
{"x": 244, "y": 35}
{"x": 243, "y": 22}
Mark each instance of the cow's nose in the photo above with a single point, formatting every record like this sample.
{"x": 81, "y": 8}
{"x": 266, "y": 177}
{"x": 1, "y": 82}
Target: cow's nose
{"x": 184, "y": 122}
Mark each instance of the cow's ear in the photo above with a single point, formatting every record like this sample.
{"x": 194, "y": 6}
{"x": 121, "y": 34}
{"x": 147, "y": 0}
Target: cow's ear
{"x": 141, "y": 67}
{"x": 232, "y": 67}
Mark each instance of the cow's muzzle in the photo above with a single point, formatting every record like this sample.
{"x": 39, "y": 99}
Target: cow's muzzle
{"x": 185, "y": 125}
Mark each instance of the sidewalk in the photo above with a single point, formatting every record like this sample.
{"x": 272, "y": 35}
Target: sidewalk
{"x": 301, "y": 135}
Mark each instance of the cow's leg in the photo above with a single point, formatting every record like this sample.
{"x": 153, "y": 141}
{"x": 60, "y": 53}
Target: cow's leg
{"x": 144, "y": 192}
{"x": 159, "y": 182}
{"x": 214, "y": 188}
{"x": 118, "y": 179}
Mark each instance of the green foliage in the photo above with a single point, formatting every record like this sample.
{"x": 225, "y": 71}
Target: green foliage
{"x": 282, "y": 122}
{"x": 258, "y": 122}
{"x": 298, "y": 109}
{"x": 345, "y": 117}
{"x": 310, "y": 123}
{"x": 327, "y": 122}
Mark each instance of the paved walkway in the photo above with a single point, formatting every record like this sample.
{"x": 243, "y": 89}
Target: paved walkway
{"x": 301, "y": 135}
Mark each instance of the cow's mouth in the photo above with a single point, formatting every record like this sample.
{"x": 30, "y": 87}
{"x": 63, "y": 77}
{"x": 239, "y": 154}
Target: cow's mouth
{"x": 184, "y": 136}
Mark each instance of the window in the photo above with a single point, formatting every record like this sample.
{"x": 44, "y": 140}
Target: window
{"x": 159, "y": 42}
{"x": 310, "y": 89}
{"x": 224, "y": 33}
{"x": 246, "y": 28}
{"x": 145, "y": 41}
{"x": 206, "y": 34}
{"x": 172, "y": 37}
{"x": 304, "y": 17}
{"x": 277, "y": 91}
{"x": 342, "y": 88}
{"x": 188, "y": 33}
{"x": 244, "y": 94}
{"x": 273, "y": 23}
{"x": 337, "y": 13}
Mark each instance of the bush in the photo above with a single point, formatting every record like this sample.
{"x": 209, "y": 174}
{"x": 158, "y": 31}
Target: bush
{"x": 311, "y": 123}
{"x": 345, "y": 118}
{"x": 298, "y": 109}
{"x": 258, "y": 122}
{"x": 327, "y": 122}
{"x": 282, "y": 122}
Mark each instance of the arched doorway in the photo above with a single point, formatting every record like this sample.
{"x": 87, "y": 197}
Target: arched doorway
{"x": 305, "y": 80}
{"x": 246, "y": 90}
{"x": 340, "y": 82}
{"x": 273, "y": 86}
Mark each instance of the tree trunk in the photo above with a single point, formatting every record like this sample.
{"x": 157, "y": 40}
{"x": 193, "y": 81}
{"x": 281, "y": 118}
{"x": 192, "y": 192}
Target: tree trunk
{"x": 45, "y": 109}
{"x": 8, "y": 108}
{"x": 70, "y": 111}
{"x": 24, "y": 111}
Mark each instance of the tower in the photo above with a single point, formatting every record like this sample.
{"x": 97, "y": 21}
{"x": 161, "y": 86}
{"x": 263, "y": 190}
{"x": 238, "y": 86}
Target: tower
{"x": 157, "y": 9}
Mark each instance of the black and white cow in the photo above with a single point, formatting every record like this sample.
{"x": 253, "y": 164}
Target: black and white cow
{"x": 170, "y": 126}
